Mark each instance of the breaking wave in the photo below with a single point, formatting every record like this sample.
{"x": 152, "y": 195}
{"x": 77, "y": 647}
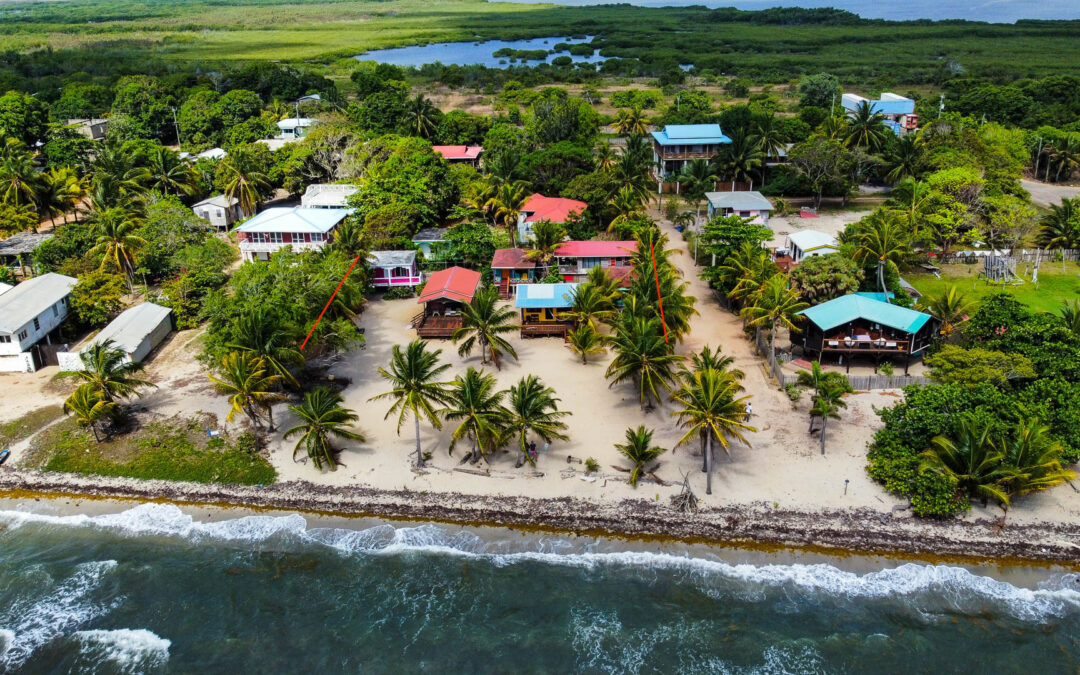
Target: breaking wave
{"x": 125, "y": 650}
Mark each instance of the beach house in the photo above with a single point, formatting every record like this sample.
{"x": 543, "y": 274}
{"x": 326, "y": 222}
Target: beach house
{"x": 751, "y": 205}
{"x": 444, "y": 294}
{"x": 135, "y": 332}
{"x": 554, "y": 209}
{"x": 865, "y": 324}
{"x": 29, "y": 314}
{"x": 677, "y": 144}
{"x": 274, "y": 229}
{"x": 460, "y": 154}
{"x": 510, "y": 267}
{"x": 898, "y": 111}
{"x": 220, "y": 211}
{"x": 327, "y": 196}
{"x": 545, "y": 309}
{"x": 391, "y": 269}
{"x": 576, "y": 258}
{"x": 806, "y": 243}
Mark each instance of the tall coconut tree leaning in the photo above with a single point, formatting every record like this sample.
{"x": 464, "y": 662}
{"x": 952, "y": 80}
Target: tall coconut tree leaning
{"x": 533, "y": 408}
{"x": 711, "y": 408}
{"x": 321, "y": 417}
{"x": 415, "y": 387}
{"x": 483, "y": 324}
{"x": 774, "y": 305}
{"x": 115, "y": 240}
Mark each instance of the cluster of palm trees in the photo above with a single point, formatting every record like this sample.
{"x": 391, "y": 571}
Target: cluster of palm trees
{"x": 107, "y": 378}
{"x": 1061, "y": 156}
{"x": 987, "y": 462}
{"x": 829, "y": 389}
{"x": 51, "y": 193}
{"x": 478, "y": 412}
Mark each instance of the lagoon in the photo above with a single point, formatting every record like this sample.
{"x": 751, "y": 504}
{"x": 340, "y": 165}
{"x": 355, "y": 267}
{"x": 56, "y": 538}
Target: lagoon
{"x": 476, "y": 53}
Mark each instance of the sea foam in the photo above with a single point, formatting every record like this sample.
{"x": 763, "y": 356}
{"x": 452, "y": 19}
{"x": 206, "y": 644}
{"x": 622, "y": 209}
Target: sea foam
{"x": 126, "y": 650}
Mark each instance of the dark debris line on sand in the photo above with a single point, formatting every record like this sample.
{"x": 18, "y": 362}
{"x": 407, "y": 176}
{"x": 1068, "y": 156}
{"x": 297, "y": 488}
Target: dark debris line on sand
{"x": 861, "y": 530}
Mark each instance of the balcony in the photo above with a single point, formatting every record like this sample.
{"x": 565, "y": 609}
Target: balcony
{"x": 268, "y": 247}
{"x": 381, "y": 282}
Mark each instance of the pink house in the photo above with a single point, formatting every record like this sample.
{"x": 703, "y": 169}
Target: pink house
{"x": 301, "y": 228}
{"x": 576, "y": 258}
{"x": 394, "y": 268}
{"x": 538, "y": 207}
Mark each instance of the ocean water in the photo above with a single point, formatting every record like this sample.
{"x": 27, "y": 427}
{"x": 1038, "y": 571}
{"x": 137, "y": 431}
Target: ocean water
{"x": 149, "y": 590}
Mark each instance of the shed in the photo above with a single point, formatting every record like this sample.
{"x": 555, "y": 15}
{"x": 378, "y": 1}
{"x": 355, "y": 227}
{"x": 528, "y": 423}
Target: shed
{"x": 135, "y": 332}
{"x": 16, "y": 250}
{"x": 806, "y": 243}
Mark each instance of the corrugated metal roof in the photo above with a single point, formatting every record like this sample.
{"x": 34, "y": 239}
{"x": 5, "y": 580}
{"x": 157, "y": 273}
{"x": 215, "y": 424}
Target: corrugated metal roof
{"x": 556, "y": 209}
{"x": 452, "y": 283}
{"x": 596, "y": 249}
{"x": 23, "y": 243}
{"x": 739, "y": 201}
{"x": 392, "y": 258}
{"x": 808, "y": 240}
{"x": 26, "y": 301}
{"x": 128, "y": 330}
{"x": 4, "y": 288}
{"x": 295, "y": 219}
{"x": 545, "y": 296}
{"x": 458, "y": 151}
{"x": 431, "y": 234}
{"x": 220, "y": 201}
{"x": 511, "y": 259}
{"x": 848, "y": 308}
{"x": 690, "y": 134}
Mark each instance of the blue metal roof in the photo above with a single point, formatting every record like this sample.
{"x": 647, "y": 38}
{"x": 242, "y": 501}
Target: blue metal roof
{"x": 904, "y": 106}
{"x": 829, "y": 315}
{"x": 690, "y": 134}
{"x": 545, "y": 296}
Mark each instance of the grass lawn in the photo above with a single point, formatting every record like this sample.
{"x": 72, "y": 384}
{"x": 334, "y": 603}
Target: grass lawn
{"x": 28, "y": 424}
{"x": 172, "y": 450}
{"x": 1056, "y": 283}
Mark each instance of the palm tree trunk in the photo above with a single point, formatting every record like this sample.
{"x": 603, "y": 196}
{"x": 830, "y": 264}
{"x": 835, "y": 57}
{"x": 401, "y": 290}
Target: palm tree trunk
{"x": 772, "y": 343}
{"x": 93, "y": 428}
{"x": 419, "y": 455}
{"x": 708, "y": 463}
{"x": 824, "y": 422}
{"x": 270, "y": 416}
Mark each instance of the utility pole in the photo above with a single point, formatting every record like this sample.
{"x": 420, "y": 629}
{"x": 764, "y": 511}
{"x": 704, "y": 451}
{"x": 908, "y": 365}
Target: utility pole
{"x": 176, "y": 126}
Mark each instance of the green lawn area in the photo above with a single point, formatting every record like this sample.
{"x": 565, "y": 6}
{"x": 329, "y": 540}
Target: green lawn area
{"x": 1057, "y": 283}
{"x": 171, "y": 450}
{"x": 18, "y": 429}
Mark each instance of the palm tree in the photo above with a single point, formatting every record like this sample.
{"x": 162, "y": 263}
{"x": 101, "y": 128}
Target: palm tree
{"x": 774, "y": 304}
{"x": 950, "y": 306}
{"x": 604, "y": 282}
{"x": 711, "y": 408}
{"x": 585, "y": 340}
{"x": 474, "y": 402}
{"x": 506, "y": 205}
{"x": 739, "y": 160}
{"x": 171, "y": 175}
{"x": 484, "y": 323}
{"x": 116, "y": 241}
{"x": 413, "y": 376}
{"x": 90, "y": 407}
{"x": 589, "y": 305}
{"x": 1035, "y": 456}
{"x": 105, "y": 369}
{"x": 247, "y": 381}
{"x": 1070, "y": 314}
{"x": 533, "y": 408}
{"x": 771, "y": 139}
{"x": 547, "y": 236}
{"x": 321, "y": 416}
{"x": 697, "y": 177}
{"x": 866, "y": 128}
{"x": 828, "y": 402}
{"x": 421, "y": 116}
{"x": 643, "y": 357}
{"x": 1065, "y": 154}
{"x": 627, "y": 206}
{"x": 243, "y": 183}
{"x": 969, "y": 458}
{"x": 19, "y": 178}
{"x": 60, "y": 190}
{"x": 746, "y": 271}
{"x": 477, "y": 196}
{"x": 1060, "y": 228}
{"x": 640, "y": 450}
{"x": 904, "y": 160}
{"x": 882, "y": 238}
{"x": 630, "y": 121}
{"x": 707, "y": 359}
{"x": 604, "y": 155}
{"x": 260, "y": 333}
{"x": 349, "y": 237}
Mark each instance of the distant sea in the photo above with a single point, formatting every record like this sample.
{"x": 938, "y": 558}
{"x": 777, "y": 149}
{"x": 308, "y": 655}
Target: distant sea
{"x": 993, "y": 11}
{"x": 149, "y": 590}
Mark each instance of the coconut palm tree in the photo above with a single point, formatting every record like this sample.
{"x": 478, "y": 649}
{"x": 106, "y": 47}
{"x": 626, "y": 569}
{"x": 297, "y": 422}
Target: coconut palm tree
{"x": 1070, "y": 314}
{"x": 968, "y": 457}
{"x": 828, "y": 401}
{"x": 630, "y": 174}
{"x": 476, "y": 405}
{"x": 421, "y": 116}
{"x": 483, "y": 324}
{"x": 506, "y": 205}
{"x": 1060, "y": 228}
{"x": 866, "y": 128}
{"x": 415, "y": 387}
{"x": 775, "y": 304}
{"x": 321, "y": 417}
{"x": 533, "y": 408}
{"x": 707, "y": 359}
{"x": 105, "y": 369}
{"x": 697, "y": 177}
{"x": 585, "y": 340}
{"x": 904, "y": 160}
{"x": 349, "y": 238}
{"x": 1065, "y": 156}
{"x": 116, "y": 241}
{"x": 627, "y": 205}
{"x": 260, "y": 333}
{"x": 547, "y": 236}
{"x": 589, "y": 305}
{"x": 739, "y": 160}
{"x": 711, "y": 408}
{"x": 630, "y": 121}
{"x": 603, "y": 281}
{"x": 746, "y": 271}
{"x": 19, "y": 178}
{"x": 244, "y": 183}
{"x": 950, "y": 306}
{"x": 1035, "y": 455}
{"x": 250, "y": 386}
{"x": 771, "y": 139}
{"x": 678, "y": 307}
{"x": 643, "y": 357}
{"x": 477, "y": 196}
{"x": 169, "y": 174}
{"x": 883, "y": 238}
{"x": 639, "y": 449}
{"x": 90, "y": 408}
{"x": 604, "y": 155}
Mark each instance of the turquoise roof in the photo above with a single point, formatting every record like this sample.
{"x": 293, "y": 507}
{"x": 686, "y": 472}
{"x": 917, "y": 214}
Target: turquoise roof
{"x": 690, "y": 134}
{"x": 829, "y": 315}
{"x": 545, "y": 296}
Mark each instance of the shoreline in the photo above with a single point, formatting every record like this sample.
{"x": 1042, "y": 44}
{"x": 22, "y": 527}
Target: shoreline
{"x": 757, "y": 525}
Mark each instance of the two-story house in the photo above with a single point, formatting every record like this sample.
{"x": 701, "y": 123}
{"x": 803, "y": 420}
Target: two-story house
{"x": 274, "y": 229}
{"x": 538, "y": 207}
{"x": 898, "y": 111}
{"x": 677, "y": 144}
{"x": 576, "y": 258}
{"x": 28, "y": 314}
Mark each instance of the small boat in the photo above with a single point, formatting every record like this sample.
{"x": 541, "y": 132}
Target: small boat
{"x": 4, "y": 454}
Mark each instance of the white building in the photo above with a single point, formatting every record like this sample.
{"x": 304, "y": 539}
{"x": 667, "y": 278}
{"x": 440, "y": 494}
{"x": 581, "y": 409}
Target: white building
{"x": 274, "y": 229}
{"x": 752, "y": 205}
{"x": 135, "y": 332}
{"x": 220, "y": 210}
{"x": 29, "y": 313}
{"x": 807, "y": 243}
{"x": 327, "y": 196}
{"x": 295, "y": 127}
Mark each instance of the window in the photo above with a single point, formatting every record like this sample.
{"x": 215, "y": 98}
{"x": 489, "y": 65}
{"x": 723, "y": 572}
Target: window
{"x": 37, "y": 325}
{"x": 22, "y": 336}
{"x": 55, "y": 311}
{"x": 299, "y": 237}
{"x": 401, "y": 272}
{"x": 257, "y": 237}
{"x": 5, "y": 339}
{"x": 317, "y": 237}
{"x": 274, "y": 237}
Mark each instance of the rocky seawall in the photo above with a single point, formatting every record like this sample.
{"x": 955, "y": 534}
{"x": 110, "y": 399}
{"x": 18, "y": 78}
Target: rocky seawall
{"x": 752, "y": 524}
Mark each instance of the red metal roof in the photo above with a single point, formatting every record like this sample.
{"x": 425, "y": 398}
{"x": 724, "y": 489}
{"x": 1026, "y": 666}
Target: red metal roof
{"x": 452, "y": 283}
{"x": 596, "y": 249}
{"x": 458, "y": 151}
{"x": 555, "y": 209}
{"x": 511, "y": 258}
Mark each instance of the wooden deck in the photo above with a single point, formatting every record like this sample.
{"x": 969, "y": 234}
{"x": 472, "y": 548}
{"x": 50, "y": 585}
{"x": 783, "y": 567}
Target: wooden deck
{"x": 437, "y": 326}
{"x": 544, "y": 330}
